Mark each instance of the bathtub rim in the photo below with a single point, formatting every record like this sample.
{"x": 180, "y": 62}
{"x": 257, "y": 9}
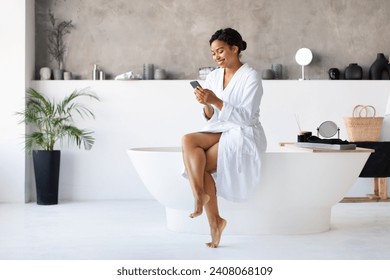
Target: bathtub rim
{"x": 282, "y": 149}
{"x": 158, "y": 149}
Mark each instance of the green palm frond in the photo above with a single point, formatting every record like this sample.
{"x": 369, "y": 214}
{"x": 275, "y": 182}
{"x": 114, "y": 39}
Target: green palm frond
{"x": 79, "y": 136}
{"x": 53, "y": 121}
{"x": 67, "y": 106}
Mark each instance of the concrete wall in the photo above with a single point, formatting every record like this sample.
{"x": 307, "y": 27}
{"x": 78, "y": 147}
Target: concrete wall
{"x": 121, "y": 35}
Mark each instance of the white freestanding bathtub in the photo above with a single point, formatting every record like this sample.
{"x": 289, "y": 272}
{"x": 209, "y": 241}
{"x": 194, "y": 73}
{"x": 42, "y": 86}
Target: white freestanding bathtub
{"x": 295, "y": 196}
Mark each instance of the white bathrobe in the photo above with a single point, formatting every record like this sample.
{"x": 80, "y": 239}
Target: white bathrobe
{"x": 243, "y": 139}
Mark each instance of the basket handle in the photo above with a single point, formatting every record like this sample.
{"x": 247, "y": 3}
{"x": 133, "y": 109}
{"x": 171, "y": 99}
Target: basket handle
{"x": 356, "y": 107}
{"x": 363, "y": 108}
{"x": 373, "y": 109}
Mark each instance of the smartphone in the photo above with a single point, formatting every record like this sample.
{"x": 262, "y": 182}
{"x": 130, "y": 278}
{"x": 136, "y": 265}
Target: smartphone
{"x": 195, "y": 84}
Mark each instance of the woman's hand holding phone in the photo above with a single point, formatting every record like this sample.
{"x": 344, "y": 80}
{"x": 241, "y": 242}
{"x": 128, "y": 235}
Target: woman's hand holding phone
{"x": 202, "y": 95}
{"x": 195, "y": 84}
{"x": 206, "y": 96}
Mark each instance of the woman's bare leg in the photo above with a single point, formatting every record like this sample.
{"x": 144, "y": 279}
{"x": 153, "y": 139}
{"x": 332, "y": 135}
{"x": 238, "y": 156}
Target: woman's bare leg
{"x": 194, "y": 147}
{"x": 217, "y": 224}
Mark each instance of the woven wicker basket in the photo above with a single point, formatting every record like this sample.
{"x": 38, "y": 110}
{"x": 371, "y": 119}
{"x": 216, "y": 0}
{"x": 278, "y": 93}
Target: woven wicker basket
{"x": 363, "y": 128}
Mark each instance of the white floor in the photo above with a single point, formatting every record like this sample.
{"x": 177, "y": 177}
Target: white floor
{"x": 125, "y": 230}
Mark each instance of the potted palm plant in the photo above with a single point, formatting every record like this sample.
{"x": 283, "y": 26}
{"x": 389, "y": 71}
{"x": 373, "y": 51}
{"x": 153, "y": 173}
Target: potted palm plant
{"x": 56, "y": 44}
{"x": 51, "y": 122}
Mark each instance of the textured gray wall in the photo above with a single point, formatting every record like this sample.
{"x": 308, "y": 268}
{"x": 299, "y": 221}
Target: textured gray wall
{"x": 122, "y": 35}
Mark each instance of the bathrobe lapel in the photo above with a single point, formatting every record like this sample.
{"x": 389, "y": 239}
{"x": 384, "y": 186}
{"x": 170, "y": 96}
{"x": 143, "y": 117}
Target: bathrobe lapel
{"x": 236, "y": 77}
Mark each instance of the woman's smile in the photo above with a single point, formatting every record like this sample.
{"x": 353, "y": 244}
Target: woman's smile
{"x": 220, "y": 61}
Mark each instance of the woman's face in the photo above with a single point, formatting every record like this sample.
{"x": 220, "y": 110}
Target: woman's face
{"x": 223, "y": 54}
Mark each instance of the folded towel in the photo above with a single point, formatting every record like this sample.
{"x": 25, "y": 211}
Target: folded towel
{"x": 315, "y": 139}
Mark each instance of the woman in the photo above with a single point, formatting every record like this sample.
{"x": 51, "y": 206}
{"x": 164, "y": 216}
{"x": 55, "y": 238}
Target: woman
{"x": 229, "y": 147}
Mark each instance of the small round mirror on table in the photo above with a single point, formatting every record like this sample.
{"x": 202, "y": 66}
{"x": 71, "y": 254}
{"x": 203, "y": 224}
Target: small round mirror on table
{"x": 303, "y": 57}
{"x": 328, "y": 129}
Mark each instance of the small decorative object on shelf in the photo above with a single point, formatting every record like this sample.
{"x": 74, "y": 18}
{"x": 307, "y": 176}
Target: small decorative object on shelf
{"x": 128, "y": 76}
{"x": 268, "y": 74}
{"x": 277, "y": 68}
{"x": 204, "y": 71}
{"x": 148, "y": 72}
{"x": 45, "y": 73}
{"x": 95, "y": 72}
{"x": 353, "y": 72}
{"x": 334, "y": 74}
{"x": 56, "y": 44}
{"x": 102, "y": 75}
{"x": 67, "y": 75}
{"x": 380, "y": 69}
{"x": 159, "y": 74}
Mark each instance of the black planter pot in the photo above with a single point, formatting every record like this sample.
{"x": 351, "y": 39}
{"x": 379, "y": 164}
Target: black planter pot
{"x": 47, "y": 173}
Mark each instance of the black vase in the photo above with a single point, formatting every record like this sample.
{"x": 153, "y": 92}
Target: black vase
{"x": 380, "y": 69}
{"x": 353, "y": 72}
{"x": 47, "y": 173}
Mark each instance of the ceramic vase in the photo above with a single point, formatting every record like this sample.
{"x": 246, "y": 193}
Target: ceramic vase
{"x": 58, "y": 74}
{"x": 353, "y": 72}
{"x": 159, "y": 74}
{"x": 267, "y": 74}
{"x": 277, "y": 68}
{"x": 380, "y": 69}
{"x": 67, "y": 75}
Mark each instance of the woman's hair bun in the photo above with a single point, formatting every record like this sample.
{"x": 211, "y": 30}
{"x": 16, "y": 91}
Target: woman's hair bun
{"x": 230, "y": 36}
{"x": 243, "y": 46}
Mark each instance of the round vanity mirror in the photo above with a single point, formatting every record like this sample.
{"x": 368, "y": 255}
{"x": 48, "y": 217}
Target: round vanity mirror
{"x": 328, "y": 129}
{"x": 303, "y": 56}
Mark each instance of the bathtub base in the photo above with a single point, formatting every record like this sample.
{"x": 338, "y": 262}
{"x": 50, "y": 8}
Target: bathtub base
{"x": 297, "y": 190}
{"x": 286, "y": 221}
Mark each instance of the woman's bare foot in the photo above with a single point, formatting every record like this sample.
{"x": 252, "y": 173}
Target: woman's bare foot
{"x": 199, "y": 203}
{"x": 216, "y": 233}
